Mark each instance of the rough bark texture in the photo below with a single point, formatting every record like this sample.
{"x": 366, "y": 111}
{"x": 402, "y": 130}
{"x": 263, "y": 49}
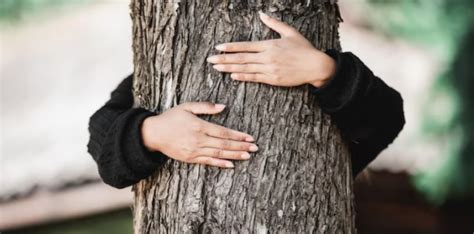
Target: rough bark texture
{"x": 299, "y": 181}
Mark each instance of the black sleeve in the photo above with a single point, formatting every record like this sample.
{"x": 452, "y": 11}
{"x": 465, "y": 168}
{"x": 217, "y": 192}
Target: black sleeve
{"x": 115, "y": 141}
{"x": 367, "y": 111}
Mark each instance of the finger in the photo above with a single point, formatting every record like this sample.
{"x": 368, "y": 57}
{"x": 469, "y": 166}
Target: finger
{"x": 237, "y": 58}
{"x": 225, "y": 144}
{"x": 213, "y": 162}
{"x": 280, "y": 27}
{"x": 244, "y": 46}
{"x": 251, "y": 77}
{"x": 202, "y": 107}
{"x": 225, "y": 133}
{"x": 224, "y": 154}
{"x": 241, "y": 68}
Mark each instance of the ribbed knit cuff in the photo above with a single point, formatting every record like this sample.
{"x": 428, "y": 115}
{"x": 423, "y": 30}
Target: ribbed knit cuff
{"x": 339, "y": 90}
{"x": 140, "y": 160}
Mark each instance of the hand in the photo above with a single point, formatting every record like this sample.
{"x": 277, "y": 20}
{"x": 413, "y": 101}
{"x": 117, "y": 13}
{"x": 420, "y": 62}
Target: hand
{"x": 181, "y": 135}
{"x": 289, "y": 61}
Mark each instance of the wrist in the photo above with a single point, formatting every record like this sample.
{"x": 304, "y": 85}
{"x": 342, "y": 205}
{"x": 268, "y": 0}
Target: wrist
{"x": 147, "y": 134}
{"x": 327, "y": 69}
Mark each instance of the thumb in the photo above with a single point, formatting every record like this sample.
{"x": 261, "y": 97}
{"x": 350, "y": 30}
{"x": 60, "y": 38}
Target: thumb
{"x": 202, "y": 107}
{"x": 280, "y": 27}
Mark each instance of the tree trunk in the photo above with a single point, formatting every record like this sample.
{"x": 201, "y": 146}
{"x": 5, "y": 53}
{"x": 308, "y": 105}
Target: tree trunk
{"x": 299, "y": 181}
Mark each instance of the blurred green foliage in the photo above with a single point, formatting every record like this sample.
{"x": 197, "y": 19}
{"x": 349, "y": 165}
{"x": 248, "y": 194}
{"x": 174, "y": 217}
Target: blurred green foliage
{"x": 17, "y": 10}
{"x": 455, "y": 177}
{"x": 437, "y": 25}
{"x": 446, "y": 28}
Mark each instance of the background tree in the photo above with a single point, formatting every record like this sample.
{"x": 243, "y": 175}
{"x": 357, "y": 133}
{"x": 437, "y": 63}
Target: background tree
{"x": 300, "y": 180}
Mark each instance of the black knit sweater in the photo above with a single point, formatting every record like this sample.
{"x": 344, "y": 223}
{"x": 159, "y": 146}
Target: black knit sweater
{"x": 368, "y": 112}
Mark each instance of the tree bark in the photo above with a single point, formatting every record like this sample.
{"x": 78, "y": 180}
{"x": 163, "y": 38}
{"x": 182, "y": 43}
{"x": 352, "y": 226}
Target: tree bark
{"x": 299, "y": 181}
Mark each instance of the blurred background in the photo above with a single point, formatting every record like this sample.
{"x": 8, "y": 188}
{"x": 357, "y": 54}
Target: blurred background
{"x": 60, "y": 59}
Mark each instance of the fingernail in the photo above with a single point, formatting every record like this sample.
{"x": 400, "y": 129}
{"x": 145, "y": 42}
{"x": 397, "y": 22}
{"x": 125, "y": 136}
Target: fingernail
{"x": 217, "y": 67}
{"x": 245, "y": 155}
{"x": 220, "y": 106}
{"x": 263, "y": 14}
{"x": 233, "y": 76}
{"x": 249, "y": 138}
{"x": 229, "y": 165}
{"x": 253, "y": 148}
{"x": 220, "y": 47}
{"x": 211, "y": 59}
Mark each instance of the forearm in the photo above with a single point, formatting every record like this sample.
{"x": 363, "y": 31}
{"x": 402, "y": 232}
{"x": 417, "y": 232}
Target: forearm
{"x": 368, "y": 112}
{"x": 116, "y": 143}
